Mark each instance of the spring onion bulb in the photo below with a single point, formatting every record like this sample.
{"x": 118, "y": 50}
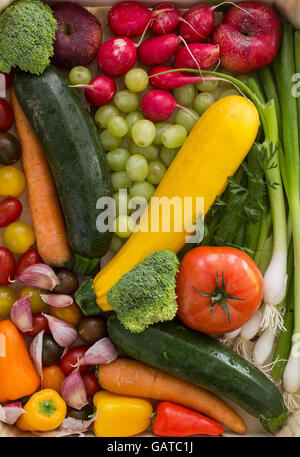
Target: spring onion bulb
{"x": 263, "y": 347}
{"x": 251, "y": 328}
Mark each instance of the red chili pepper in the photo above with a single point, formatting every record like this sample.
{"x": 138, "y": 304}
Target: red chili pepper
{"x": 175, "y": 420}
{"x": 30, "y": 257}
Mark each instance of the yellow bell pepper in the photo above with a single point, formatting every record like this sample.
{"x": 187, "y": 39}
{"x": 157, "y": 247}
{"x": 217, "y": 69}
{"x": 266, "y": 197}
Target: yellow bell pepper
{"x": 120, "y": 416}
{"x": 44, "y": 411}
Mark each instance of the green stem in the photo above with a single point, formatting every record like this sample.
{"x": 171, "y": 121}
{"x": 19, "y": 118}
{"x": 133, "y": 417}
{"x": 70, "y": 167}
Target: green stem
{"x": 270, "y": 91}
{"x": 290, "y": 137}
{"x": 266, "y": 225}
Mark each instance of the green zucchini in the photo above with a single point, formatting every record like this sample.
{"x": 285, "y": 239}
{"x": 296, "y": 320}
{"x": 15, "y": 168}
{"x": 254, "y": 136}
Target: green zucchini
{"x": 205, "y": 362}
{"x": 77, "y": 160}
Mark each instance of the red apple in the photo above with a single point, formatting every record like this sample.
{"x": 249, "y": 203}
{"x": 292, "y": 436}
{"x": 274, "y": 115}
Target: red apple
{"x": 78, "y": 36}
{"x": 249, "y": 37}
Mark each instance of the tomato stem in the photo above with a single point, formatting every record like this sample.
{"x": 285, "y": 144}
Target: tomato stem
{"x": 219, "y": 296}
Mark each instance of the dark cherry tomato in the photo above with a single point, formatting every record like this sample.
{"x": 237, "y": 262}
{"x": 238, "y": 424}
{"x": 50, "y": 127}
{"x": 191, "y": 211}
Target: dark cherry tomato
{"x": 8, "y": 79}
{"x": 39, "y": 323}
{"x": 6, "y": 115}
{"x": 7, "y": 266}
{"x": 52, "y": 352}
{"x": 91, "y": 384}
{"x": 29, "y": 258}
{"x": 92, "y": 329}
{"x": 10, "y": 149}
{"x": 68, "y": 282}
{"x": 71, "y": 358}
{"x": 10, "y": 211}
{"x": 83, "y": 414}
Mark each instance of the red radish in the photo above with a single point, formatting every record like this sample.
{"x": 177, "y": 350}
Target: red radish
{"x": 197, "y": 55}
{"x": 167, "y": 19}
{"x": 197, "y": 24}
{"x": 169, "y": 81}
{"x": 249, "y": 37}
{"x": 159, "y": 49}
{"x": 116, "y": 56}
{"x": 100, "y": 91}
{"x": 129, "y": 19}
{"x": 158, "y": 105}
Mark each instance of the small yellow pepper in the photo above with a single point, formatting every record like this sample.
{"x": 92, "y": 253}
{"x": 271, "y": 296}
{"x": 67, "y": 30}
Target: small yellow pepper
{"x": 120, "y": 416}
{"x": 44, "y": 411}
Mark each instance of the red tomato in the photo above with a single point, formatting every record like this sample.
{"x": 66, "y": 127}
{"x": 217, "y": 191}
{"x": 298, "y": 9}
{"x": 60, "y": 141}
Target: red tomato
{"x": 39, "y": 323}
{"x": 231, "y": 303}
{"x": 10, "y": 210}
{"x": 7, "y": 266}
{"x": 29, "y": 258}
{"x": 8, "y": 79}
{"x": 6, "y": 115}
{"x": 91, "y": 384}
{"x": 70, "y": 359}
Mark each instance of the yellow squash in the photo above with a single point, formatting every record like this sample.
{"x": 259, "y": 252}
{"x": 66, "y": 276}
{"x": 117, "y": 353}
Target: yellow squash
{"x": 212, "y": 152}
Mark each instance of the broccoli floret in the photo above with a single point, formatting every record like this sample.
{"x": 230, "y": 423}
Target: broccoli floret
{"x": 27, "y": 33}
{"x": 146, "y": 294}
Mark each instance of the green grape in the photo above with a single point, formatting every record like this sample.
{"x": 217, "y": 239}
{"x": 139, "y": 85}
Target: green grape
{"x": 126, "y": 101}
{"x": 156, "y": 172}
{"x": 104, "y": 113}
{"x": 243, "y": 78}
{"x": 174, "y": 136}
{"x": 120, "y": 180}
{"x": 136, "y": 79}
{"x": 167, "y": 155}
{"x": 225, "y": 83}
{"x": 117, "y": 126}
{"x": 137, "y": 168}
{"x": 150, "y": 152}
{"x": 142, "y": 189}
{"x": 228, "y": 92}
{"x": 143, "y": 133}
{"x": 80, "y": 75}
{"x": 117, "y": 159}
{"x": 207, "y": 86}
{"x": 121, "y": 201}
{"x": 124, "y": 226}
{"x": 116, "y": 243}
{"x": 186, "y": 118}
{"x": 110, "y": 141}
{"x": 185, "y": 95}
{"x": 203, "y": 101}
{"x": 160, "y": 127}
{"x": 132, "y": 118}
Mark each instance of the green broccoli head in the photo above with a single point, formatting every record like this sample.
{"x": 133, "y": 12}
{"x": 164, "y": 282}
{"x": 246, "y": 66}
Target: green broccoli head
{"x": 27, "y": 33}
{"x": 146, "y": 294}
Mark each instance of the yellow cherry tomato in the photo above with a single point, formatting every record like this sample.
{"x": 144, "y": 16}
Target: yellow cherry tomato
{"x": 70, "y": 314}
{"x": 8, "y": 297}
{"x": 36, "y": 302}
{"x": 12, "y": 181}
{"x": 18, "y": 237}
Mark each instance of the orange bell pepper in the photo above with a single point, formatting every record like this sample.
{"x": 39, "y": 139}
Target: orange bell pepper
{"x": 18, "y": 377}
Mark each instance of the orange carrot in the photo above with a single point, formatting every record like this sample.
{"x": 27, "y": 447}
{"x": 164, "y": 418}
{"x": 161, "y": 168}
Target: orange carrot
{"x": 128, "y": 377}
{"x": 47, "y": 217}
